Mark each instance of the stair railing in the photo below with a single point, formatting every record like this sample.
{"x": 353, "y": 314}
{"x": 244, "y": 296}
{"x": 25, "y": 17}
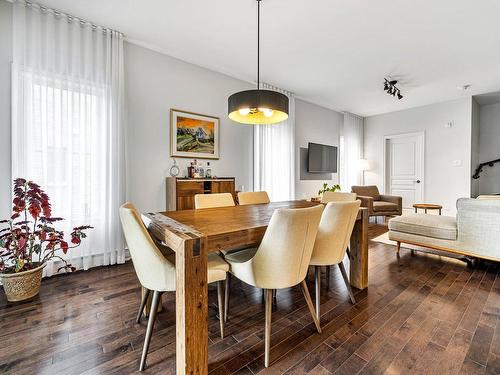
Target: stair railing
{"x": 479, "y": 169}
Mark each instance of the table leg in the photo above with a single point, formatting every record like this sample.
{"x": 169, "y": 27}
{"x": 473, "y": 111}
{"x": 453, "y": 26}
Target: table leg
{"x": 359, "y": 252}
{"x": 191, "y": 307}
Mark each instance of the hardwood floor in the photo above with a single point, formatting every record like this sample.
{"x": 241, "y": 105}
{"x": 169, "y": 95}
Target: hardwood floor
{"x": 421, "y": 314}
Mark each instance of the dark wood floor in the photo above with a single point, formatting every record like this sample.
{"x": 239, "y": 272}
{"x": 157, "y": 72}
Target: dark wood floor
{"x": 421, "y": 314}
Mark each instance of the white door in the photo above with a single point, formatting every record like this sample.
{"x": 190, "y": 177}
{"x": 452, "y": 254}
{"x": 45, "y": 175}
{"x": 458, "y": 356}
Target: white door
{"x": 404, "y": 158}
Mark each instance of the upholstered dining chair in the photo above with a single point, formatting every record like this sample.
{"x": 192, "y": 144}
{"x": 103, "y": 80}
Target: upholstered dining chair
{"x": 334, "y": 233}
{"x": 213, "y": 200}
{"x": 281, "y": 260}
{"x": 252, "y": 197}
{"x": 156, "y": 273}
{"x": 337, "y": 196}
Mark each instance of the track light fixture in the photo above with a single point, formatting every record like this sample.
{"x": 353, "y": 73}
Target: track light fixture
{"x": 391, "y": 89}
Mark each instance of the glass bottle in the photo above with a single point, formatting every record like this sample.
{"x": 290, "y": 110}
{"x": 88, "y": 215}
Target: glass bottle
{"x": 208, "y": 171}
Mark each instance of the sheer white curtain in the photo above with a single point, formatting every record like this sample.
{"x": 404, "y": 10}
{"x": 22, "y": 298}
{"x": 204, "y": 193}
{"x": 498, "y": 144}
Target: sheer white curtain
{"x": 274, "y": 160}
{"x": 67, "y": 124}
{"x": 352, "y": 150}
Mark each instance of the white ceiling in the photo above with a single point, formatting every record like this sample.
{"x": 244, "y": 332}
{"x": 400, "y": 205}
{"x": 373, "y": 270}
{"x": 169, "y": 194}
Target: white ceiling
{"x": 331, "y": 52}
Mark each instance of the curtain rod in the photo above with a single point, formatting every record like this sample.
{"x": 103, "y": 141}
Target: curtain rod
{"x": 69, "y": 17}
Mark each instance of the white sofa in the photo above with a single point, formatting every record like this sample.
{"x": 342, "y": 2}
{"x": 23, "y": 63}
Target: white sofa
{"x": 474, "y": 232}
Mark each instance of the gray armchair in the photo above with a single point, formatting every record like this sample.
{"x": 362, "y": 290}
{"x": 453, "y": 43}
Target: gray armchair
{"x": 378, "y": 204}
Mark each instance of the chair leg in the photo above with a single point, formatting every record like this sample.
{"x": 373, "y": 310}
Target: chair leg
{"x": 226, "y": 296}
{"x": 347, "y": 283}
{"x": 398, "y": 246}
{"x": 149, "y": 329}
{"x": 348, "y": 253}
{"x": 275, "y": 294}
{"x": 310, "y": 305}
{"x": 220, "y": 303}
{"x": 317, "y": 286}
{"x": 267, "y": 337}
{"x": 327, "y": 275}
{"x": 144, "y": 300}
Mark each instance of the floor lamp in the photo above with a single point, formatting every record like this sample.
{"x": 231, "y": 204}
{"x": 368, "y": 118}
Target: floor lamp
{"x": 363, "y": 166}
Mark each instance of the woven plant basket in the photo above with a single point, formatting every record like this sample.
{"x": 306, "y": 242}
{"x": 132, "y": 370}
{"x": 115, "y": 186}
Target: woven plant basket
{"x": 23, "y": 285}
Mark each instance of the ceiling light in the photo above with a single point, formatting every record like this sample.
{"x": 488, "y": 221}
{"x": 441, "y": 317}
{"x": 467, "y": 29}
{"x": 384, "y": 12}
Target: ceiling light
{"x": 391, "y": 89}
{"x": 258, "y": 106}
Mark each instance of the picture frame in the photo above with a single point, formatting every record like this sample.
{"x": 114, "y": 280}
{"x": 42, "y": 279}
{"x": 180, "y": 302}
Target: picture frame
{"x": 194, "y": 135}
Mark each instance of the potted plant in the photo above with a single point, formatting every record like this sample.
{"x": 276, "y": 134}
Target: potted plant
{"x": 332, "y": 188}
{"x": 28, "y": 240}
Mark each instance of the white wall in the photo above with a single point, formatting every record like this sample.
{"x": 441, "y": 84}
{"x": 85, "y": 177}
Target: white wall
{"x": 319, "y": 125}
{"x": 489, "y": 147}
{"x": 154, "y": 84}
{"x": 444, "y": 183}
{"x": 5, "y": 140}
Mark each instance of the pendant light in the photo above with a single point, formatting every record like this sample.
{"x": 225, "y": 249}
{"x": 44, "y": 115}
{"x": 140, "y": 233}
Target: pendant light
{"x": 258, "y": 106}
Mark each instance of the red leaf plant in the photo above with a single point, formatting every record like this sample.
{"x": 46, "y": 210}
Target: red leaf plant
{"x": 29, "y": 238}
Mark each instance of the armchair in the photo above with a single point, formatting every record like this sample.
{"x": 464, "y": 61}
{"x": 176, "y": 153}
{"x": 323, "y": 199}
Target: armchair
{"x": 378, "y": 204}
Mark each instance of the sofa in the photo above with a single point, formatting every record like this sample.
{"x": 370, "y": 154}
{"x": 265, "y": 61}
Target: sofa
{"x": 474, "y": 232}
{"x": 378, "y": 204}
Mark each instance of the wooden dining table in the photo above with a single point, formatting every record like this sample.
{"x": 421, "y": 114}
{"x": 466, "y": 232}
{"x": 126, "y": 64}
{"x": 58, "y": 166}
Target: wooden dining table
{"x": 193, "y": 234}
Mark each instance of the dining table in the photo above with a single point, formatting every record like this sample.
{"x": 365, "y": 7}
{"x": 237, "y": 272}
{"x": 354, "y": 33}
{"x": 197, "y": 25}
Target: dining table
{"x": 193, "y": 234}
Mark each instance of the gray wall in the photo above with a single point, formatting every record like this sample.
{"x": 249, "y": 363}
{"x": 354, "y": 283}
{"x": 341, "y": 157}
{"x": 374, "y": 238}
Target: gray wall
{"x": 5, "y": 140}
{"x": 444, "y": 182}
{"x": 319, "y": 125}
{"x": 489, "y": 148}
{"x": 154, "y": 84}
{"x": 475, "y": 156}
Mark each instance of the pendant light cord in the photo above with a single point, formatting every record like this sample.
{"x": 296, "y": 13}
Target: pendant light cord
{"x": 258, "y": 44}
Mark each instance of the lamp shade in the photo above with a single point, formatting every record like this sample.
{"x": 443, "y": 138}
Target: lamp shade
{"x": 363, "y": 165}
{"x": 258, "y": 107}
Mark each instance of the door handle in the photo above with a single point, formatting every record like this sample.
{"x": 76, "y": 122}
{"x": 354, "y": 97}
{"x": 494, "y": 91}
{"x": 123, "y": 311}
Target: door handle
{"x": 418, "y": 181}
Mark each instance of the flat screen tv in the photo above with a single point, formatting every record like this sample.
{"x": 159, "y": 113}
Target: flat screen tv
{"x": 322, "y": 158}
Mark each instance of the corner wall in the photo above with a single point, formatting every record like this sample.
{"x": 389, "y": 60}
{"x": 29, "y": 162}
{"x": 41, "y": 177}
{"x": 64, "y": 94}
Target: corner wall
{"x": 444, "y": 182}
{"x": 155, "y": 83}
{"x": 475, "y": 151}
{"x": 489, "y": 148}
{"x": 319, "y": 125}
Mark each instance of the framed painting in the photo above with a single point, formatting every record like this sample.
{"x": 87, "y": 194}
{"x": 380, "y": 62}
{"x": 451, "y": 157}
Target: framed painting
{"x": 193, "y": 135}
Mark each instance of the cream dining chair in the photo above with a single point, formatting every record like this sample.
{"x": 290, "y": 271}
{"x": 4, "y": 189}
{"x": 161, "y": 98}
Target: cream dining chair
{"x": 334, "y": 233}
{"x": 281, "y": 260}
{"x": 156, "y": 273}
{"x": 337, "y": 196}
{"x": 213, "y": 200}
{"x": 252, "y": 197}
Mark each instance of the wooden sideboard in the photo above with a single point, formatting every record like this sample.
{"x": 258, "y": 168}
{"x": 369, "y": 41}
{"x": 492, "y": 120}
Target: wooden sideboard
{"x": 181, "y": 191}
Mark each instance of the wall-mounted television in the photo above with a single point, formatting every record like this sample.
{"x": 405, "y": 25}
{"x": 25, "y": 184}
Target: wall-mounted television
{"x": 322, "y": 158}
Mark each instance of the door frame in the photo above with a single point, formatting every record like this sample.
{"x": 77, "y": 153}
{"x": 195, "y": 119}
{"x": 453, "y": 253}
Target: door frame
{"x": 420, "y": 134}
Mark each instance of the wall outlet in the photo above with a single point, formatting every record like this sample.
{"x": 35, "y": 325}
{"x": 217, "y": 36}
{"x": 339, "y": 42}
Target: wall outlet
{"x": 449, "y": 124}
{"x": 457, "y": 163}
